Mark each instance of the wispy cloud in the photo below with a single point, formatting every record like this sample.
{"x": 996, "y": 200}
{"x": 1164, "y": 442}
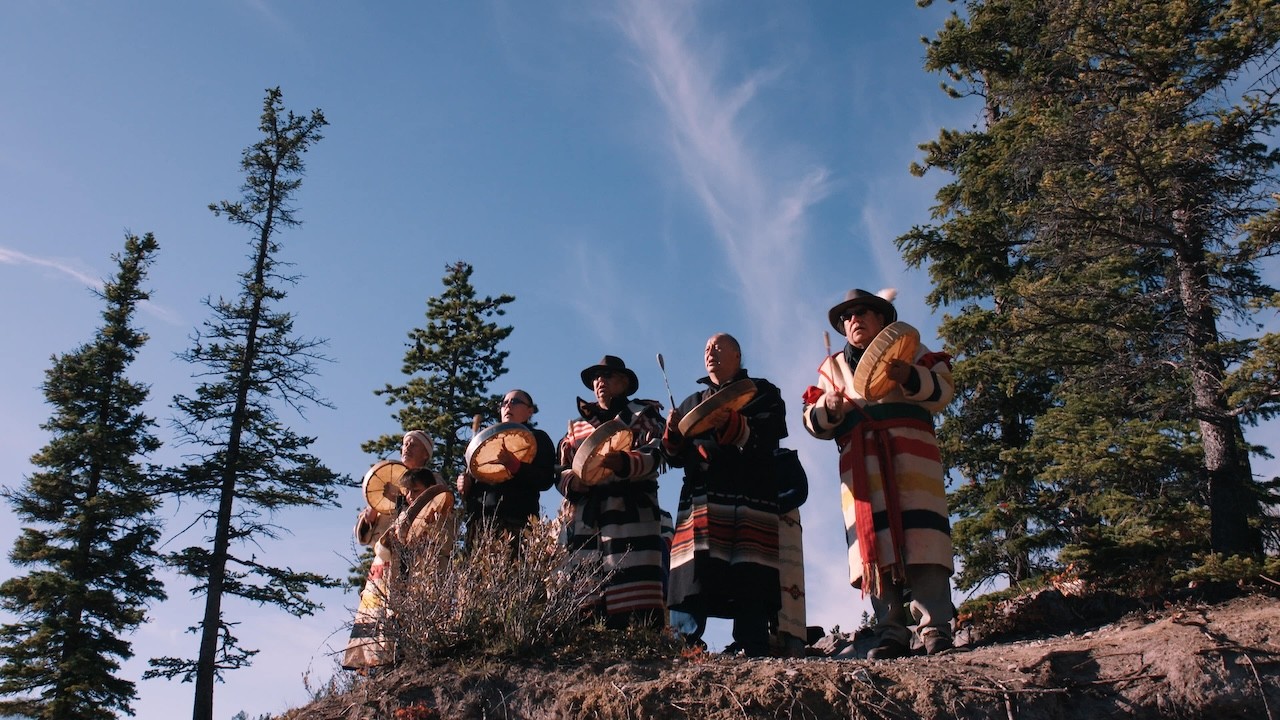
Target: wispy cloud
{"x": 275, "y": 20}
{"x": 597, "y": 312}
{"x": 65, "y": 267}
{"x": 13, "y": 257}
{"x": 759, "y": 220}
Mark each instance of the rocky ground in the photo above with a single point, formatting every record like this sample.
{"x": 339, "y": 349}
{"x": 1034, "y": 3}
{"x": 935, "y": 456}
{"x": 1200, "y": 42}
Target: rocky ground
{"x": 1192, "y": 659}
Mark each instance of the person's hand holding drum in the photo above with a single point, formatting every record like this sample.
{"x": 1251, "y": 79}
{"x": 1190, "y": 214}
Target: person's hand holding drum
{"x": 731, "y": 426}
{"x": 672, "y": 438}
{"x": 898, "y": 370}
{"x": 618, "y": 462}
{"x": 465, "y": 481}
{"x": 508, "y": 459}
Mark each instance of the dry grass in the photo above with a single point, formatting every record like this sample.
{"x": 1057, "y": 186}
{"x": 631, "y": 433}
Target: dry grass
{"x": 488, "y": 601}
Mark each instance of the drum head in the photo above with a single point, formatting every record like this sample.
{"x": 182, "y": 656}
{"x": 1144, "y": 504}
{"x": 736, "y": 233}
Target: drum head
{"x": 898, "y": 341}
{"x": 486, "y": 447}
{"x": 382, "y": 485}
{"x": 609, "y": 437}
{"x": 710, "y": 413}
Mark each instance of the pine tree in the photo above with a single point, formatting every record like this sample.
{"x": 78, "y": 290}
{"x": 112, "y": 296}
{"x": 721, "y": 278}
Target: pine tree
{"x": 450, "y": 364}
{"x": 250, "y": 465}
{"x": 1005, "y": 529}
{"x": 1127, "y": 142}
{"x": 89, "y": 525}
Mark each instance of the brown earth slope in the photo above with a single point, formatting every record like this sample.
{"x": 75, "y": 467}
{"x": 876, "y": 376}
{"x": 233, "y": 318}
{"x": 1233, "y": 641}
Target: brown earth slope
{"x": 1188, "y": 661}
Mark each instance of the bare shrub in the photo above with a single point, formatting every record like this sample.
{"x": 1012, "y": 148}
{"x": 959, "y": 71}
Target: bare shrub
{"x": 338, "y": 683}
{"x": 491, "y": 599}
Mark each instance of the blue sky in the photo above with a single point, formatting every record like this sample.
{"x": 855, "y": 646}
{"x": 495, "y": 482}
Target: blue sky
{"x": 640, "y": 176}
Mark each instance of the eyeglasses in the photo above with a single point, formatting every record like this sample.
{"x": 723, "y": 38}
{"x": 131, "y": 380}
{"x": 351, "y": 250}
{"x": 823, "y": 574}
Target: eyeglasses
{"x": 512, "y": 402}
{"x": 852, "y": 313}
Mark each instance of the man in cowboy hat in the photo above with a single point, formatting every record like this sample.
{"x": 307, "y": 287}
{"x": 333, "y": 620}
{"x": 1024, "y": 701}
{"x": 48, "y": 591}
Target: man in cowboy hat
{"x": 618, "y": 516}
{"x": 892, "y": 488}
{"x": 724, "y": 557}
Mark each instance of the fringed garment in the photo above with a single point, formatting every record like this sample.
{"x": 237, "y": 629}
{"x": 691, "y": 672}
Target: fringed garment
{"x": 792, "y": 618}
{"x": 394, "y": 538}
{"x": 892, "y": 490}
{"x": 724, "y": 558}
{"x": 619, "y": 518}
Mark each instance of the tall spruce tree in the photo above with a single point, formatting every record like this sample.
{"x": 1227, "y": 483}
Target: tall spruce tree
{"x": 1005, "y": 529}
{"x": 89, "y": 525}
{"x": 450, "y": 364}
{"x": 1129, "y": 141}
{"x": 248, "y": 464}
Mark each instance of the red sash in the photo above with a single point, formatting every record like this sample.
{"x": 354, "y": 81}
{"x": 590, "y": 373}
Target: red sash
{"x": 855, "y": 448}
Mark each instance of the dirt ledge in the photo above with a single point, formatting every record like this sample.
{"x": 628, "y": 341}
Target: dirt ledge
{"x": 1193, "y": 660}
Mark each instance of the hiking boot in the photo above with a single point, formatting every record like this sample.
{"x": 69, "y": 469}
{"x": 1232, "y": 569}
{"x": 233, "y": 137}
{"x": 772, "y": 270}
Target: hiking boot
{"x": 888, "y": 650}
{"x": 755, "y": 650}
{"x": 937, "y": 643}
{"x": 693, "y": 643}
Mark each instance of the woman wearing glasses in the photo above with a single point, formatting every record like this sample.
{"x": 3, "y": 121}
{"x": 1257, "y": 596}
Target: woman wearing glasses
{"x": 507, "y": 506}
{"x": 892, "y": 489}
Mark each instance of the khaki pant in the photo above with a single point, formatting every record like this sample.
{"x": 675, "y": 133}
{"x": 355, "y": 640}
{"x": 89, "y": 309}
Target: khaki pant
{"x": 930, "y": 587}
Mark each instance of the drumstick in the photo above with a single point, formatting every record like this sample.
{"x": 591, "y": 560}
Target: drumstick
{"x": 826, "y": 339}
{"x": 475, "y": 430}
{"x": 663, "y": 364}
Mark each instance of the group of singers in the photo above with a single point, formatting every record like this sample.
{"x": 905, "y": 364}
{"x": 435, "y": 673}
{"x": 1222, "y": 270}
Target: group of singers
{"x": 736, "y": 548}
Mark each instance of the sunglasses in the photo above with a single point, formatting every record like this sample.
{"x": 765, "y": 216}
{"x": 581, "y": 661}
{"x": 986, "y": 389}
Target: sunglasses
{"x": 512, "y": 402}
{"x": 852, "y": 313}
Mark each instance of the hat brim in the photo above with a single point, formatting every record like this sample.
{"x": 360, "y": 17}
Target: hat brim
{"x": 875, "y": 302}
{"x": 589, "y": 375}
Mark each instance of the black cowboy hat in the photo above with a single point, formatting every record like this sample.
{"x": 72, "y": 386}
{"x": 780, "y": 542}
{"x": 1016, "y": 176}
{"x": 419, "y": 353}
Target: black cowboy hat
{"x": 862, "y": 297}
{"x": 611, "y": 363}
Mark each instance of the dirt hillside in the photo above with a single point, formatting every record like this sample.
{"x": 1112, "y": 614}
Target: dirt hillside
{"x": 1191, "y": 660}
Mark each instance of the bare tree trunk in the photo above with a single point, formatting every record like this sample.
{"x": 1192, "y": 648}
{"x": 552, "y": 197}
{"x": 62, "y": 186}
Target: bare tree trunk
{"x": 211, "y": 626}
{"x": 207, "y": 660}
{"x": 1226, "y": 460}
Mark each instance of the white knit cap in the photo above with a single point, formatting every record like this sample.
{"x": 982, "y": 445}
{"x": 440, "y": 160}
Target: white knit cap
{"x": 423, "y": 438}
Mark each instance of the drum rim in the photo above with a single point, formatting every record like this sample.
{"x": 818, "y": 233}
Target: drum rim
{"x": 588, "y": 446}
{"x": 725, "y": 395}
{"x": 492, "y": 431}
{"x": 371, "y": 474}
{"x": 875, "y": 356}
